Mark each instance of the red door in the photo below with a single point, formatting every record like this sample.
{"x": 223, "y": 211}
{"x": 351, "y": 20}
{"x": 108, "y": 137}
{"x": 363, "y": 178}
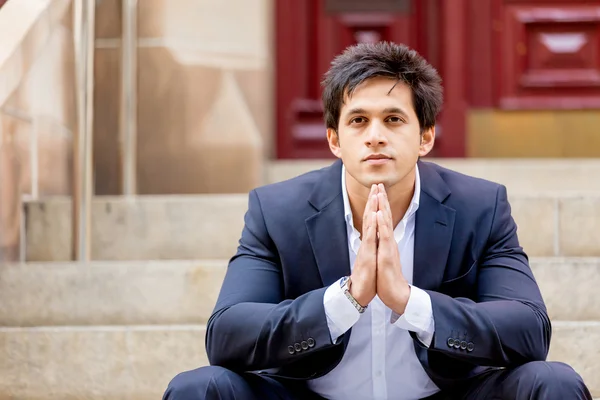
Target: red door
{"x": 497, "y": 55}
{"x": 549, "y": 54}
{"x": 309, "y": 33}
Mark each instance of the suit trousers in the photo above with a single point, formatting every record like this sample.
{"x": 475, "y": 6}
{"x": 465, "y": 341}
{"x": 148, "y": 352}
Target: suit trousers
{"x": 532, "y": 381}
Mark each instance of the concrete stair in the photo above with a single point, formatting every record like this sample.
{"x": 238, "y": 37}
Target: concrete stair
{"x": 123, "y": 329}
{"x": 209, "y": 226}
{"x": 137, "y": 362}
{"x": 96, "y": 362}
{"x": 122, "y": 326}
{"x": 184, "y": 292}
{"x": 555, "y": 203}
{"x": 519, "y": 175}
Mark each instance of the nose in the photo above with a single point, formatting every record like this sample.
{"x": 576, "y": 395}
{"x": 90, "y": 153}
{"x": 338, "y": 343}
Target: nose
{"x": 375, "y": 134}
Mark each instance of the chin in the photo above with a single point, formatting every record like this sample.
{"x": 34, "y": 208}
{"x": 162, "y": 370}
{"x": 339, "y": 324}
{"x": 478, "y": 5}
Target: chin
{"x": 374, "y": 178}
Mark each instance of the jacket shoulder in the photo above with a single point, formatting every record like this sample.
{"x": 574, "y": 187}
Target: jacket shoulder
{"x": 291, "y": 191}
{"x": 469, "y": 191}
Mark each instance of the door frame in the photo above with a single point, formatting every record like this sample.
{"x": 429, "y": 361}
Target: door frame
{"x": 449, "y": 47}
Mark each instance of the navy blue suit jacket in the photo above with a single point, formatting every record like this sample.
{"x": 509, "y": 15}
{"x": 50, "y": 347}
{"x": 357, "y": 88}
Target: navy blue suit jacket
{"x": 294, "y": 245}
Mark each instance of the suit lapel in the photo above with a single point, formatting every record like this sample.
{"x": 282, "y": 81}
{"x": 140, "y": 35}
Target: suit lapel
{"x": 433, "y": 230}
{"x": 327, "y": 228}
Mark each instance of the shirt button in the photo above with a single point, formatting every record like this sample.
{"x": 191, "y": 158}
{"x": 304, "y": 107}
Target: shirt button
{"x": 378, "y": 374}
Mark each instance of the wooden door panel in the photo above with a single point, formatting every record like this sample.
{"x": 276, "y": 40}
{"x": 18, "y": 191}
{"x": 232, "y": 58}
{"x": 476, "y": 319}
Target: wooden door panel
{"x": 550, "y": 55}
{"x": 491, "y": 54}
{"x": 309, "y": 34}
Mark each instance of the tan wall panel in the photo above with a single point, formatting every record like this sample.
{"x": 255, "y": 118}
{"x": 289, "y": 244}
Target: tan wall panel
{"x": 107, "y": 70}
{"x": 108, "y": 18}
{"x": 151, "y": 17}
{"x": 173, "y": 100}
{"x": 42, "y": 111}
{"x": 205, "y": 86}
{"x": 258, "y": 88}
{"x": 533, "y": 133}
{"x": 202, "y": 68}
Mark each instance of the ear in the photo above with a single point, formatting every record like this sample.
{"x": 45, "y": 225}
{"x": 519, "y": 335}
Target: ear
{"x": 427, "y": 141}
{"x": 334, "y": 142}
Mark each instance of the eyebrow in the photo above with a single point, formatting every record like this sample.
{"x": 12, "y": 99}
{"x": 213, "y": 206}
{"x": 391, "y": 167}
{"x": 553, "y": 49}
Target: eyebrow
{"x": 356, "y": 111}
{"x": 389, "y": 110}
{"x": 395, "y": 110}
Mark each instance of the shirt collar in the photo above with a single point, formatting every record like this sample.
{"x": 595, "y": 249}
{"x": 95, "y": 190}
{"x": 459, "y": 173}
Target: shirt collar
{"x": 412, "y": 208}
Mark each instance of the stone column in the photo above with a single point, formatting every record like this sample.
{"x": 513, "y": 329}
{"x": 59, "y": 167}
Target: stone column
{"x": 204, "y": 102}
{"x": 10, "y": 194}
{"x": 36, "y": 109}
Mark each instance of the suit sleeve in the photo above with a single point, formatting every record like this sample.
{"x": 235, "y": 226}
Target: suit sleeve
{"x": 508, "y": 324}
{"x": 252, "y": 326}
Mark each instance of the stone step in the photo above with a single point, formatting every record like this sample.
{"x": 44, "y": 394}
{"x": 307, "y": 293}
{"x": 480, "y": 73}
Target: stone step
{"x": 184, "y": 292}
{"x": 138, "y": 362}
{"x": 109, "y": 292}
{"x": 519, "y": 175}
{"x": 209, "y": 226}
{"x": 94, "y": 363}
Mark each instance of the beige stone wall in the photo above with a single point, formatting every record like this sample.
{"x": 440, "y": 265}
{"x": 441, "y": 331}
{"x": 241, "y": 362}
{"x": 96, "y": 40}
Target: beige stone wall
{"x": 37, "y": 108}
{"x": 205, "y": 102}
{"x": 533, "y": 133}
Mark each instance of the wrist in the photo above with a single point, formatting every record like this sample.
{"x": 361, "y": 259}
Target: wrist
{"x": 346, "y": 285}
{"x": 355, "y": 292}
{"x": 401, "y": 300}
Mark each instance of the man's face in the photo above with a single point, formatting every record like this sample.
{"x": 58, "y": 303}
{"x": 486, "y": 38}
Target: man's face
{"x": 379, "y": 137}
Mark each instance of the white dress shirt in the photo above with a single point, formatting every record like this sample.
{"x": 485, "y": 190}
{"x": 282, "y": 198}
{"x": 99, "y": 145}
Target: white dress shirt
{"x": 380, "y": 361}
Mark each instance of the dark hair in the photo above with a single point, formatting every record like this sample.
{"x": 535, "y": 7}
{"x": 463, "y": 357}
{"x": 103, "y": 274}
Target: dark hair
{"x": 366, "y": 60}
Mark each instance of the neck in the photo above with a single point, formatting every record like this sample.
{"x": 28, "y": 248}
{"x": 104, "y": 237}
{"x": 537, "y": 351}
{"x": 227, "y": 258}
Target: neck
{"x": 399, "y": 196}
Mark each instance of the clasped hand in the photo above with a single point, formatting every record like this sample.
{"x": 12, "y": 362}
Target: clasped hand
{"x": 377, "y": 269}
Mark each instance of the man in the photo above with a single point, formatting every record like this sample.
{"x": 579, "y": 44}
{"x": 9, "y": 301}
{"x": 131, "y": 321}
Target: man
{"x": 381, "y": 276}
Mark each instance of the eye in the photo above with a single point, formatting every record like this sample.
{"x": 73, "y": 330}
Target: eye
{"x": 394, "y": 119}
{"x": 358, "y": 120}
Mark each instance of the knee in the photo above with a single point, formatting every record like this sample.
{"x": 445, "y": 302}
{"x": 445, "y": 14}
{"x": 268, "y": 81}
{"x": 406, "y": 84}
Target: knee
{"x": 552, "y": 377}
{"x": 195, "y": 384}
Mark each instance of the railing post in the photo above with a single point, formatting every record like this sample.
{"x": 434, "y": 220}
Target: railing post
{"x": 128, "y": 134}
{"x": 84, "y": 41}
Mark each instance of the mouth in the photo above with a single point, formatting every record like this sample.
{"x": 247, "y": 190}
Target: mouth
{"x": 376, "y": 159}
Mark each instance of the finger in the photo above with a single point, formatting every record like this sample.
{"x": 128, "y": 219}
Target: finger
{"x": 386, "y": 234}
{"x": 383, "y": 251}
{"x": 387, "y": 250}
{"x": 372, "y": 232}
{"x": 373, "y": 206}
{"x": 370, "y": 207}
{"x": 370, "y": 240}
{"x": 384, "y": 206}
{"x": 383, "y": 201}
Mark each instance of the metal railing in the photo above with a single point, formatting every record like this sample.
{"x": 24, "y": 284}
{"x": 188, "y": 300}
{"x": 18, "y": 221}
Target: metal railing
{"x": 84, "y": 25}
{"x": 128, "y": 139}
{"x": 84, "y": 40}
